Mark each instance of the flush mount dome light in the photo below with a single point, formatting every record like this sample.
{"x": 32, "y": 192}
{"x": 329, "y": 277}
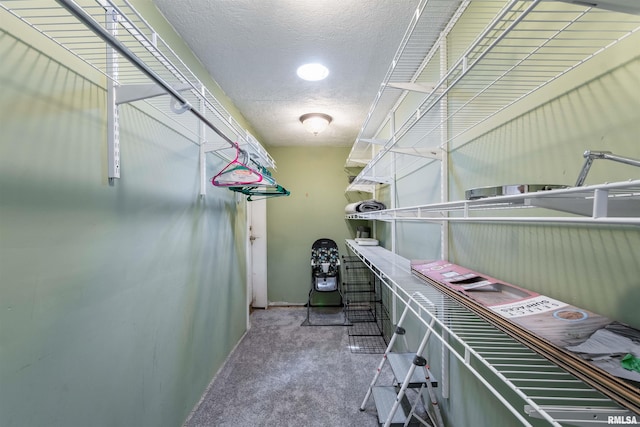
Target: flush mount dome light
{"x": 315, "y": 122}
{"x": 312, "y": 72}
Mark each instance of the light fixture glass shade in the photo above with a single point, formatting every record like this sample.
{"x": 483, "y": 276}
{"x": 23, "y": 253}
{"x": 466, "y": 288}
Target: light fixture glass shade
{"x": 315, "y": 122}
{"x": 312, "y": 72}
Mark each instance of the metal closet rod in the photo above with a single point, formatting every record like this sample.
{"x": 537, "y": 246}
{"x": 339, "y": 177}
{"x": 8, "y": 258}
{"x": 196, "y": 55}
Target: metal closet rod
{"x": 85, "y": 18}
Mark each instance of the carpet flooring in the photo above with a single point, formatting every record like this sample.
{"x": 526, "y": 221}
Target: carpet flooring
{"x": 285, "y": 374}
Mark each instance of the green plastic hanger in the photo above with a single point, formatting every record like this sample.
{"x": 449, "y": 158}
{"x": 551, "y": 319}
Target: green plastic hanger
{"x": 264, "y": 192}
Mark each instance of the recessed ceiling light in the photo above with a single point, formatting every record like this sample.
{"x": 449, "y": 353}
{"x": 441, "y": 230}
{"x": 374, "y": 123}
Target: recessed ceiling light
{"x": 312, "y": 72}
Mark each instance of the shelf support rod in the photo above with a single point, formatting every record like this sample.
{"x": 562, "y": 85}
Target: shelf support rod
{"x": 394, "y": 193}
{"x": 202, "y": 135}
{"x": 590, "y": 156}
{"x": 113, "y": 135}
{"x": 444, "y": 151}
{"x": 444, "y": 197}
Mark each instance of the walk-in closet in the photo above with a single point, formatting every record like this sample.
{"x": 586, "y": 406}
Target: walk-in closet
{"x": 319, "y": 213}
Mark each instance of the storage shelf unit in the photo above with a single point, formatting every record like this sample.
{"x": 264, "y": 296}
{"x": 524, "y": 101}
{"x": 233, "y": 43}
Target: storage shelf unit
{"x": 537, "y": 387}
{"x": 614, "y": 203}
{"x": 133, "y": 33}
{"x": 506, "y": 54}
{"x": 523, "y": 47}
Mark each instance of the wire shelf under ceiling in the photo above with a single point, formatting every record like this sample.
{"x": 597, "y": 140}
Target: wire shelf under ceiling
{"x": 61, "y": 26}
{"x": 528, "y": 45}
{"x": 423, "y": 32}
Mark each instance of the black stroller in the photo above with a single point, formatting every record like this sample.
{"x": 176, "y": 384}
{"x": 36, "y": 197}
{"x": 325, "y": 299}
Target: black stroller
{"x": 325, "y": 274}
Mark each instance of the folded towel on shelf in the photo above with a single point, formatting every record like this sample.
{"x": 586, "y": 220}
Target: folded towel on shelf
{"x": 351, "y": 208}
{"x": 371, "y": 205}
{"x": 366, "y": 241}
{"x": 364, "y": 206}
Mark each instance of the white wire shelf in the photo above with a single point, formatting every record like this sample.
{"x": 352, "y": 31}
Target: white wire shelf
{"x": 362, "y": 187}
{"x": 424, "y": 31}
{"x": 58, "y": 24}
{"x": 527, "y": 45}
{"x": 612, "y": 203}
{"x": 537, "y": 388}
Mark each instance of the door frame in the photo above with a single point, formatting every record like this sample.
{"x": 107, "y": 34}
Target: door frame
{"x": 256, "y": 249}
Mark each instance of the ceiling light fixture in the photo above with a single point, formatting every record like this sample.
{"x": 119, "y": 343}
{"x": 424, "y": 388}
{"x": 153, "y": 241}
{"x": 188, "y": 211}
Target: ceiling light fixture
{"x": 312, "y": 72}
{"x": 315, "y": 122}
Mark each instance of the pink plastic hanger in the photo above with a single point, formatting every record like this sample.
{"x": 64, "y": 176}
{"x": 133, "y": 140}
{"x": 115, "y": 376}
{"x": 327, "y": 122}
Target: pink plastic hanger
{"x": 237, "y": 173}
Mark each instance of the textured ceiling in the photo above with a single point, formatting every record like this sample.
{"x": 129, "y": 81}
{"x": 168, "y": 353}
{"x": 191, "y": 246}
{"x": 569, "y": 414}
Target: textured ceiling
{"x": 253, "y": 48}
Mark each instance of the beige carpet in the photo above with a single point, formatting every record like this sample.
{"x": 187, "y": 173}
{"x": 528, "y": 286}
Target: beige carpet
{"x": 285, "y": 374}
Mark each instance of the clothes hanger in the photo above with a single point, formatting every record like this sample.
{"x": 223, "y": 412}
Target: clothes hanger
{"x": 263, "y": 192}
{"x": 239, "y": 177}
{"x": 237, "y": 173}
{"x": 267, "y": 179}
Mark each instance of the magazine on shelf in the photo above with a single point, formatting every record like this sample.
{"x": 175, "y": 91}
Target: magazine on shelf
{"x": 612, "y": 346}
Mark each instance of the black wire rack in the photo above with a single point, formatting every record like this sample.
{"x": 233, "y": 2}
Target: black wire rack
{"x": 363, "y": 308}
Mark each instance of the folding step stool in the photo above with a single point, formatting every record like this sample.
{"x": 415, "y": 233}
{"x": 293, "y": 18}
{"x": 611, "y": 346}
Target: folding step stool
{"x": 391, "y": 404}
